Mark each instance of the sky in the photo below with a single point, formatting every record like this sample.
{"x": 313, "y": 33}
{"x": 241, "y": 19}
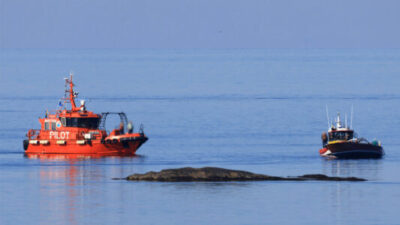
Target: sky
{"x": 199, "y": 24}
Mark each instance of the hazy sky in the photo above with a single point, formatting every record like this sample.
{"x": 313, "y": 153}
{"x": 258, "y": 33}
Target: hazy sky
{"x": 199, "y": 24}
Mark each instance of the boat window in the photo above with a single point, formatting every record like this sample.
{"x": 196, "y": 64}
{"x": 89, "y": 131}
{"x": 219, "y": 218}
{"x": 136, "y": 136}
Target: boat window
{"x": 63, "y": 121}
{"x": 53, "y": 125}
{"x": 46, "y": 125}
{"x": 340, "y": 136}
{"x": 91, "y": 123}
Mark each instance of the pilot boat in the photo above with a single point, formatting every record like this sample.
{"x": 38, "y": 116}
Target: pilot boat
{"x": 79, "y": 131}
{"x": 342, "y": 142}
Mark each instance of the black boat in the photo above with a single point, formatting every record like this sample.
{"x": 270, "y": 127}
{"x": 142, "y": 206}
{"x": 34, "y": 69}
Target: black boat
{"x": 342, "y": 142}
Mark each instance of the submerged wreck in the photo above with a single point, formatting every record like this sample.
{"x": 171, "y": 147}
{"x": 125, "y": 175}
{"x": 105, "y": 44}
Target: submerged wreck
{"x": 189, "y": 174}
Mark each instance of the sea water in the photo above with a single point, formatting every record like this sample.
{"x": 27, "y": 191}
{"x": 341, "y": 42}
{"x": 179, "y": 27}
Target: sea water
{"x": 260, "y": 110}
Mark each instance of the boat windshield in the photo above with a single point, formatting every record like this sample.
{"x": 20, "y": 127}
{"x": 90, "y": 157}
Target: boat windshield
{"x": 91, "y": 123}
{"x": 340, "y": 135}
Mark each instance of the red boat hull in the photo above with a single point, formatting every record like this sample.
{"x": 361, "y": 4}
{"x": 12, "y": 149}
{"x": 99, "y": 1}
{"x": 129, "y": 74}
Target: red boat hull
{"x": 95, "y": 147}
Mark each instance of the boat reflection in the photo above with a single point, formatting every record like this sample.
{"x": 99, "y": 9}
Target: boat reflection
{"x": 64, "y": 180}
{"x": 68, "y": 157}
{"x": 370, "y": 169}
{"x": 339, "y": 194}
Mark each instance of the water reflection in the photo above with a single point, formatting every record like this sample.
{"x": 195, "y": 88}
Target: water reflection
{"x": 68, "y": 157}
{"x": 345, "y": 198}
{"x": 67, "y": 179}
{"x": 370, "y": 169}
{"x": 207, "y": 187}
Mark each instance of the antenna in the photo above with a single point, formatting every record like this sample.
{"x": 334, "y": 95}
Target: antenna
{"x": 345, "y": 120}
{"x": 327, "y": 116}
{"x": 351, "y": 119}
{"x": 338, "y": 122}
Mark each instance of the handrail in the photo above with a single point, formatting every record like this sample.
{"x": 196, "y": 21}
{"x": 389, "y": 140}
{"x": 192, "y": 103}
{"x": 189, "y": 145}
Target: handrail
{"x": 33, "y": 134}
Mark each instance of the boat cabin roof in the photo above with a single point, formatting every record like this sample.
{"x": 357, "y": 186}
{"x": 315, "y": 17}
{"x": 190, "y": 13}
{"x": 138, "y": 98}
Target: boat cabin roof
{"x": 344, "y": 130}
{"x": 79, "y": 114}
{"x": 76, "y": 116}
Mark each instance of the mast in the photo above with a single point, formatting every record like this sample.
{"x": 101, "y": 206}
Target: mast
{"x": 351, "y": 120}
{"x": 71, "y": 93}
{"x": 327, "y": 117}
{"x": 338, "y": 122}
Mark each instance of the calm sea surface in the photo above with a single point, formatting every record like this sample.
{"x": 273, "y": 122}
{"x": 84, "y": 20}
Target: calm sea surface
{"x": 256, "y": 110}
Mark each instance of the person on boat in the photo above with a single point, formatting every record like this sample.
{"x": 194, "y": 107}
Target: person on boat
{"x": 324, "y": 138}
{"x": 118, "y": 131}
{"x": 121, "y": 128}
{"x": 130, "y": 127}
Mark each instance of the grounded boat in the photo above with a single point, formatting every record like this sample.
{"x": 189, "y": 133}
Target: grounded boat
{"x": 342, "y": 142}
{"x": 78, "y": 131}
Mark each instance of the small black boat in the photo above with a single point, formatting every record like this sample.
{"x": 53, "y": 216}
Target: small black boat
{"x": 342, "y": 142}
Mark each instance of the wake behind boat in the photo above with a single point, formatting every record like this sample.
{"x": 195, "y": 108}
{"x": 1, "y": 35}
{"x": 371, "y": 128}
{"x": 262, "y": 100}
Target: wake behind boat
{"x": 79, "y": 131}
{"x": 342, "y": 142}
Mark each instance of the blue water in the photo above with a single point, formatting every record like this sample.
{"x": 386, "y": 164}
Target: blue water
{"x": 256, "y": 110}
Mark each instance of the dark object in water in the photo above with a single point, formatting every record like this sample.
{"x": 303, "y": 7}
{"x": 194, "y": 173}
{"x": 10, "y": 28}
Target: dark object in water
{"x": 342, "y": 142}
{"x": 353, "y": 150}
{"x": 220, "y": 174}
